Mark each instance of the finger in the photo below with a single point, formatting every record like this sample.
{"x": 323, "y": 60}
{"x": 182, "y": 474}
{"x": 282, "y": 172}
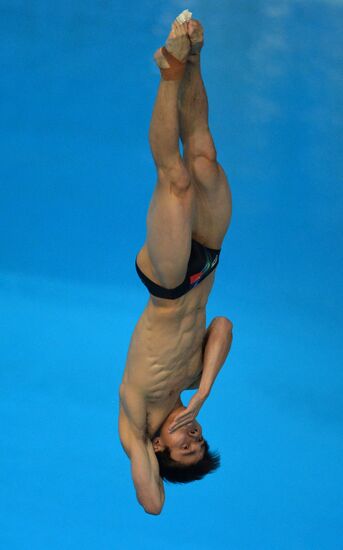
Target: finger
{"x": 180, "y": 425}
{"x": 174, "y": 429}
{"x": 182, "y": 417}
{"x": 181, "y": 422}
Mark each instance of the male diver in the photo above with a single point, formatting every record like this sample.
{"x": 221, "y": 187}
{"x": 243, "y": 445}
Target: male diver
{"x": 171, "y": 350}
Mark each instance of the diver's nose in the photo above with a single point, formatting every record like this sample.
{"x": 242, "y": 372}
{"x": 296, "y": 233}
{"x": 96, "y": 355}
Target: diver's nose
{"x": 195, "y": 433}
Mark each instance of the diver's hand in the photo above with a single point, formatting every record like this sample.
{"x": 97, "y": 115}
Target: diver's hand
{"x": 190, "y": 413}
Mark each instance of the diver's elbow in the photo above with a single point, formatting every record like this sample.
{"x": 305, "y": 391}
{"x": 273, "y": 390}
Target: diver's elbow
{"x": 223, "y": 325}
{"x": 153, "y": 510}
{"x": 151, "y": 506}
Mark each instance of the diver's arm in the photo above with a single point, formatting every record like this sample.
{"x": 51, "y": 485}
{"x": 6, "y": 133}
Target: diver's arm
{"x": 217, "y": 346}
{"x": 146, "y": 476}
{"x": 137, "y": 445}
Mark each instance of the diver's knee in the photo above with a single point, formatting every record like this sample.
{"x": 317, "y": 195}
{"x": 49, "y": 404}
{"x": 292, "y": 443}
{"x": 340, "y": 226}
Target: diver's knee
{"x": 175, "y": 176}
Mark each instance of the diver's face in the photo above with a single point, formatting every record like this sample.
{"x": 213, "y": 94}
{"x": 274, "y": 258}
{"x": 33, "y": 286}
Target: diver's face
{"x": 186, "y": 444}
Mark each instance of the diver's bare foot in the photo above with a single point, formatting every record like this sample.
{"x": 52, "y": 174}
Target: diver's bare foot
{"x": 196, "y": 36}
{"x": 178, "y": 45}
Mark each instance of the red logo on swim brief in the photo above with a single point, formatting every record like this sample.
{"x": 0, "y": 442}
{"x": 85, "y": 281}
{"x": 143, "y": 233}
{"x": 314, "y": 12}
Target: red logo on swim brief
{"x": 195, "y": 278}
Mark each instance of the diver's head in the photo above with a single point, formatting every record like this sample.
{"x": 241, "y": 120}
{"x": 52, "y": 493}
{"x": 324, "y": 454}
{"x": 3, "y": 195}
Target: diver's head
{"x": 183, "y": 455}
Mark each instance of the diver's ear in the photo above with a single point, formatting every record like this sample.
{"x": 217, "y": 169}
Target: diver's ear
{"x": 157, "y": 444}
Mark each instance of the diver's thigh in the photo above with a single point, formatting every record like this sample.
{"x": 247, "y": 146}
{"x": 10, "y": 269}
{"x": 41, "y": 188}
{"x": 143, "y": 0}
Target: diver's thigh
{"x": 213, "y": 208}
{"x": 169, "y": 232}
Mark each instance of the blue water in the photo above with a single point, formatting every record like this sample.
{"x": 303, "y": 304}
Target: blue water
{"x": 77, "y": 90}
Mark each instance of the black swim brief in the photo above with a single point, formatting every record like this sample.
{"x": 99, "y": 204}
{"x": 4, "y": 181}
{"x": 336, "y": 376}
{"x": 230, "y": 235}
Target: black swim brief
{"x": 202, "y": 262}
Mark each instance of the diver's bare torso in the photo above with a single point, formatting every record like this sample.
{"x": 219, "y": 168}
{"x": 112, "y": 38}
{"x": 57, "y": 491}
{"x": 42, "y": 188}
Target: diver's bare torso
{"x": 165, "y": 353}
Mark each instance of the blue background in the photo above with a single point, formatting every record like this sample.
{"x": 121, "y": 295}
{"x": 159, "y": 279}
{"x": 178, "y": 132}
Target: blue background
{"x": 77, "y": 90}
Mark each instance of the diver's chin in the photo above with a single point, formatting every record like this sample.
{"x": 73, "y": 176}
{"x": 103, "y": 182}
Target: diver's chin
{"x": 175, "y": 412}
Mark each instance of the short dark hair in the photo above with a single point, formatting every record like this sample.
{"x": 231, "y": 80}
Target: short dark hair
{"x": 175, "y": 472}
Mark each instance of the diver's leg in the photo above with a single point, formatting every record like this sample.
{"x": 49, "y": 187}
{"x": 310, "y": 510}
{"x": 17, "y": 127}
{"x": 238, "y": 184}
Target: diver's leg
{"x": 214, "y": 206}
{"x": 193, "y": 103}
{"x": 169, "y": 223}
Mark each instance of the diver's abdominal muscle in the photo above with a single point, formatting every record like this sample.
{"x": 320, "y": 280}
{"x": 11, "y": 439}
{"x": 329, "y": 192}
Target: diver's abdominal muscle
{"x": 165, "y": 355}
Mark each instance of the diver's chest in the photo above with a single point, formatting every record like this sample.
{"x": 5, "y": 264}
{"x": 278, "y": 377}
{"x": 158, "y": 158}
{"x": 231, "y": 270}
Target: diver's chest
{"x": 166, "y": 382}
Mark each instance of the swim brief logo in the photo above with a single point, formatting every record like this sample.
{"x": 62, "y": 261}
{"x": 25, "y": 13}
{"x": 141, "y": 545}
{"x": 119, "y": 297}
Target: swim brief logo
{"x": 195, "y": 279}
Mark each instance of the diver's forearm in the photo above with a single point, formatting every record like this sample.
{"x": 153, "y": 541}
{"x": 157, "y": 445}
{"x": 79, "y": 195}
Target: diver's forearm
{"x": 218, "y": 344}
